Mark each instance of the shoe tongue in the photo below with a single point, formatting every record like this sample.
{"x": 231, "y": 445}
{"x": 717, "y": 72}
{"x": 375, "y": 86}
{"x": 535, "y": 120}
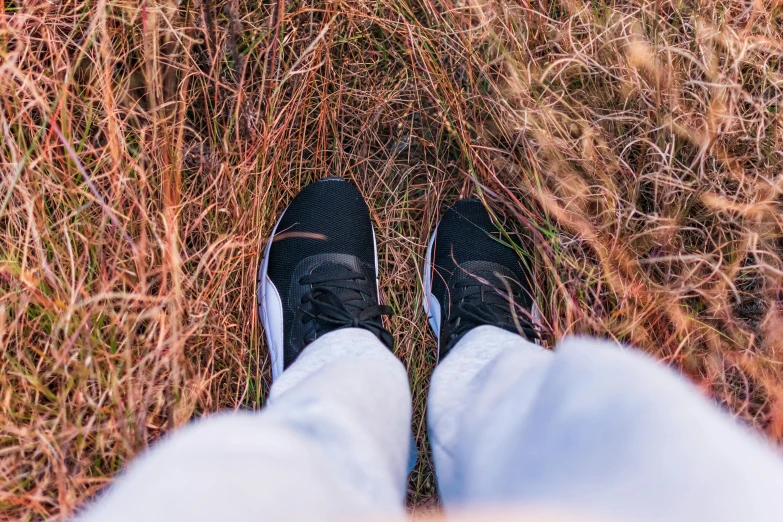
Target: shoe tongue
{"x": 485, "y": 272}
{"x": 347, "y": 296}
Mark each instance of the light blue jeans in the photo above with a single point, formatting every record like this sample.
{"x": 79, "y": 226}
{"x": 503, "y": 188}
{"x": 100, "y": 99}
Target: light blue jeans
{"x": 590, "y": 430}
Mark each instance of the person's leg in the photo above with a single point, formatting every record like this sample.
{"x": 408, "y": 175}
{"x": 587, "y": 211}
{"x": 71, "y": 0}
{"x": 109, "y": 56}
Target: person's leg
{"x": 590, "y": 429}
{"x": 333, "y": 442}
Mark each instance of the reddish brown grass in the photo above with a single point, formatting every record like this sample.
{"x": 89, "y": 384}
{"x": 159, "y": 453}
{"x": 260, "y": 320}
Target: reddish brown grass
{"x": 147, "y": 147}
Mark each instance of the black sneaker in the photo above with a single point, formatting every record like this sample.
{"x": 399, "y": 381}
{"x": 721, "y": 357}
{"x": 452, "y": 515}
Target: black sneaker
{"x": 319, "y": 272}
{"x": 472, "y": 278}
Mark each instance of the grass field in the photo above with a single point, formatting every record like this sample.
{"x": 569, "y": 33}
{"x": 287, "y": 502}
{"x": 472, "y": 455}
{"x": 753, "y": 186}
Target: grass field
{"x": 146, "y": 148}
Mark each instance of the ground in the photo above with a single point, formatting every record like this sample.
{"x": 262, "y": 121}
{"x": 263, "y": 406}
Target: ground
{"x": 146, "y": 148}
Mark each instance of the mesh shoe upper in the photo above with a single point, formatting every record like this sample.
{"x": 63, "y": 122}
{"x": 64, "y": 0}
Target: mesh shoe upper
{"x": 322, "y": 265}
{"x": 477, "y": 278}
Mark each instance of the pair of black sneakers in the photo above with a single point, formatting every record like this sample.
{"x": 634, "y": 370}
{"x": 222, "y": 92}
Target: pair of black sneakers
{"x": 319, "y": 273}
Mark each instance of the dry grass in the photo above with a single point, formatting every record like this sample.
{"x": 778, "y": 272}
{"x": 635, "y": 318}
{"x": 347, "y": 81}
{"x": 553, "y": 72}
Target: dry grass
{"x": 147, "y": 147}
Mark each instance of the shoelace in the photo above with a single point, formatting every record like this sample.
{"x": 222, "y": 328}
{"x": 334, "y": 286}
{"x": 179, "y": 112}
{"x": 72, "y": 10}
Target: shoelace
{"x": 337, "y": 301}
{"x": 479, "y": 304}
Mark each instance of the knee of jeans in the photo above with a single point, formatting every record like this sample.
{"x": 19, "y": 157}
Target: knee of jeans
{"x": 601, "y": 370}
{"x": 228, "y": 432}
{"x": 219, "y": 424}
{"x": 588, "y": 355}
